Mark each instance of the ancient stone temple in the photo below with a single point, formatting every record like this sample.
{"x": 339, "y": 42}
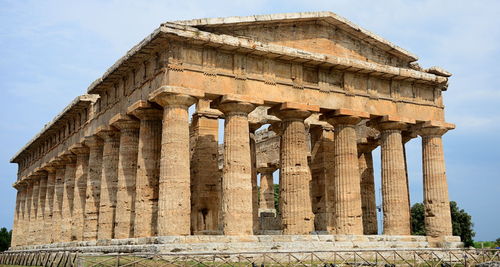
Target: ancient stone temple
{"x": 305, "y": 95}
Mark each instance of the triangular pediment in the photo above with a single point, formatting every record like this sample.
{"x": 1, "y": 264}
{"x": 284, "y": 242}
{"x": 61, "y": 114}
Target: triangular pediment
{"x": 318, "y": 32}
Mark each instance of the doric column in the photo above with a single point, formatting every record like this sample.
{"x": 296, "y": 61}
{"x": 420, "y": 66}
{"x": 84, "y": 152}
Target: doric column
{"x": 109, "y": 182}
{"x": 295, "y": 175}
{"x": 205, "y": 176}
{"x": 255, "y": 189}
{"x": 322, "y": 175}
{"x": 148, "y": 168}
{"x": 127, "y": 172}
{"x": 174, "y": 204}
{"x": 35, "y": 181}
{"x": 58, "y": 200}
{"x": 368, "y": 203}
{"x": 17, "y": 230}
{"x": 394, "y": 188}
{"x": 93, "y": 192}
{"x": 347, "y": 213}
{"x": 68, "y": 195}
{"x": 266, "y": 201}
{"x": 49, "y": 203}
{"x": 26, "y": 214}
{"x": 237, "y": 209}
{"x": 436, "y": 200}
{"x": 80, "y": 193}
{"x": 40, "y": 214}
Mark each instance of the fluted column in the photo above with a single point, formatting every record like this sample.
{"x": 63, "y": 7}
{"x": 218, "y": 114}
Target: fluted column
{"x": 174, "y": 204}
{"x": 35, "y": 182}
{"x": 255, "y": 189}
{"x": 237, "y": 208}
{"x": 266, "y": 201}
{"x": 205, "y": 175}
{"x": 93, "y": 191}
{"x": 80, "y": 193}
{"x": 15, "y": 241}
{"x": 436, "y": 200}
{"x": 26, "y": 214}
{"x": 148, "y": 168}
{"x": 40, "y": 214}
{"x": 347, "y": 217}
{"x": 322, "y": 176}
{"x": 394, "y": 188}
{"x": 68, "y": 195}
{"x": 109, "y": 181}
{"x": 368, "y": 203}
{"x": 127, "y": 172}
{"x": 49, "y": 203}
{"x": 58, "y": 200}
{"x": 295, "y": 175}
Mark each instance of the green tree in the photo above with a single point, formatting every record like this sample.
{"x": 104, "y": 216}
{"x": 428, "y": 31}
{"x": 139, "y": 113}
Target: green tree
{"x": 5, "y": 237}
{"x": 461, "y": 222}
{"x": 277, "y": 198}
{"x": 497, "y": 242}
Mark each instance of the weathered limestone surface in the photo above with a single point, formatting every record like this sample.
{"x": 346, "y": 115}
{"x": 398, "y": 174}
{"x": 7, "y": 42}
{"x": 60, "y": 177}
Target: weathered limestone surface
{"x": 205, "y": 175}
{"x": 68, "y": 196}
{"x": 109, "y": 182}
{"x": 49, "y": 206}
{"x": 322, "y": 166}
{"x": 347, "y": 217}
{"x": 16, "y": 235}
{"x": 127, "y": 172}
{"x": 266, "y": 199}
{"x": 295, "y": 176}
{"x": 237, "y": 209}
{"x": 394, "y": 187}
{"x": 56, "y": 227}
{"x": 255, "y": 190}
{"x": 436, "y": 201}
{"x": 148, "y": 169}
{"x": 40, "y": 213}
{"x": 80, "y": 193}
{"x": 174, "y": 204}
{"x": 368, "y": 204}
{"x": 33, "y": 210}
{"x": 93, "y": 191}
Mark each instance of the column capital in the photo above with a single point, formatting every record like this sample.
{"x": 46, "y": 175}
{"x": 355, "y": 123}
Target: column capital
{"x": 407, "y": 135}
{"x": 368, "y": 145}
{"x": 107, "y": 132}
{"x": 293, "y": 111}
{"x": 344, "y": 116}
{"x": 93, "y": 141}
{"x": 124, "y": 122}
{"x": 433, "y": 128}
{"x": 79, "y": 149}
{"x": 267, "y": 169}
{"x": 68, "y": 157}
{"x": 234, "y": 104}
{"x": 203, "y": 110}
{"x": 175, "y": 95}
{"x": 390, "y": 122}
{"x": 144, "y": 110}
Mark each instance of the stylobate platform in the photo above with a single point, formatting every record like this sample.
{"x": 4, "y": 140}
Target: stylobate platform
{"x": 257, "y": 243}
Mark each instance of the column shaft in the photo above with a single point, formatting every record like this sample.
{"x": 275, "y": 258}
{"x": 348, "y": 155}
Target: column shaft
{"x": 49, "y": 205}
{"x": 33, "y": 210}
{"x": 368, "y": 203}
{"x": 80, "y": 193}
{"x": 237, "y": 208}
{"x": 436, "y": 200}
{"x": 17, "y": 217}
{"x": 68, "y": 196}
{"x": 295, "y": 176}
{"x": 266, "y": 202}
{"x": 394, "y": 188}
{"x": 255, "y": 192}
{"x": 93, "y": 192}
{"x": 42, "y": 195}
{"x": 148, "y": 172}
{"x": 26, "y": 215}
{"x": 57, "y": 206}
{"x": 205, "y": 176}
{"x": 127, "y": 172}
{"x": 347, "y": 217}
{"x": 109, "y": 180}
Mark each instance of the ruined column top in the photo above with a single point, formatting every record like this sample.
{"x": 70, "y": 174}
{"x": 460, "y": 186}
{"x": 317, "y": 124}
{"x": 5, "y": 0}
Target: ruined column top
{"x": 123, "y": 122}
{"x": 167, "y": 95}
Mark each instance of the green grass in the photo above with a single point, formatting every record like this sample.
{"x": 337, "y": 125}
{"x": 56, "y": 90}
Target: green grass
{"x": 485, "y": 244}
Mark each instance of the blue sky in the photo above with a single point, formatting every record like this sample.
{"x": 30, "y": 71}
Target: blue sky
{"x": 50, "y": 51}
